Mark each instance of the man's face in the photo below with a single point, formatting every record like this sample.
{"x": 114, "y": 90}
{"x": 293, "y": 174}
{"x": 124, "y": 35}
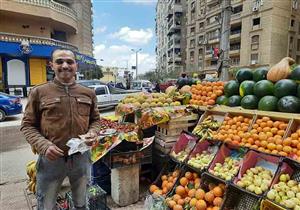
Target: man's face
{"x": 64, "y": 65}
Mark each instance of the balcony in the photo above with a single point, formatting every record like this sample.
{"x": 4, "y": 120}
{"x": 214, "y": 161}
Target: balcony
{"x": 234, "y": 52}
{"x": 210, "y": 68}
{"x": 235, "y": 34}
{"x": 213, "y": 40}
{"x": 7, "y": 37}
{"x": 236, "y": 16}
{"x": 209, "y": 2}
{"x": 44, "y": 9}
{"x": 177, "y": 8}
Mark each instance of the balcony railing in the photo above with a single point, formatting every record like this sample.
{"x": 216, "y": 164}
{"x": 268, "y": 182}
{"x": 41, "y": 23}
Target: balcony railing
{"x": 52, "y": 5}
{"x": 9, "y": 37}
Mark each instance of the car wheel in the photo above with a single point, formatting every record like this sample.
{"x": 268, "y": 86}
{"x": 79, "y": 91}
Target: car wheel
{"x": 2, "y": 115}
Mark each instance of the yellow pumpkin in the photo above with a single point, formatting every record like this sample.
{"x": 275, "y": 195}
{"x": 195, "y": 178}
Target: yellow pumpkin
{"x": 281, "y": 70}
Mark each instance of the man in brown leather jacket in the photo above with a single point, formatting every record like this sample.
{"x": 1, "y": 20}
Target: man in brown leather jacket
{"x": 56, "y": 112}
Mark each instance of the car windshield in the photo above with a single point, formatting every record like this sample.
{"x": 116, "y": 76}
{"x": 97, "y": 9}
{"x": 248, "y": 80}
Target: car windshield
{"x": 136, "y": 84}
{"x": 147, "y": 84}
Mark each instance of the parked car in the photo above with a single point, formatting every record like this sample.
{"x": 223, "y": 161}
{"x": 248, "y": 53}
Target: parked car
{"x": 143, "y": 85}
{"x": 109, "y": 96}
{"x": 9, "y": 105}
{"x": 88, "y": 83}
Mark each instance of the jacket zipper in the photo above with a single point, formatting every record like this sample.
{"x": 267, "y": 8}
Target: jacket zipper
{"x": 70, "y": 112}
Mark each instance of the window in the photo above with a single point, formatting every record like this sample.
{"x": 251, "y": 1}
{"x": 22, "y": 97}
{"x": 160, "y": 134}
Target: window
{"x": 291, "y": 42}
{"x": 292, "y": 23}
{"x": 254, "y": 58}
{"x": 192, "y": 30}
{"x": 237, "y": 9}
{"x": 100, "y": 91}
{"x": 200, "y": 40}
{"x": 256, "y": 21}
{"x": 255, "y": 42}
{"x": 192, "y": 43}
{"x": 193, "y": 6}
{"x": 192, "y": 53}
{"x": 235, "y": 61}
{"x": 201, "y": 25}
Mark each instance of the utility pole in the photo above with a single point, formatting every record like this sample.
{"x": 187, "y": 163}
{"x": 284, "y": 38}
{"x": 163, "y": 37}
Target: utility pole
{"x": 136, "y": 60}
{"x": 224, "y": 42}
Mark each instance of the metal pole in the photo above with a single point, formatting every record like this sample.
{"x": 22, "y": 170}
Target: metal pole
{"x": 136, "y": 64}
{"x": 224, "y": 42}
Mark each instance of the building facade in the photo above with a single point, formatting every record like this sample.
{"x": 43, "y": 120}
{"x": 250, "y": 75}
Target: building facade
{"x": 262, "y": 32}
{"x": 31, "y": 29}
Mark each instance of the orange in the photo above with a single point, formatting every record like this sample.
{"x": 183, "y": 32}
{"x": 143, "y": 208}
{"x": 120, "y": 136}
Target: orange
{"x": 188, "y": 175}
{"x": 270, "y": 123}
{"x": 259, "y": 121}
{"x": 193, "y": 202}
{"x": 255, "y": 126}
{"x": 282, "y": 126}
{"x": 195, "y": 175}
{"x": 298, "y": 146}
{"x": 282, "y": 153}
{"x": 192, "y": 193}
{"x": 187, "y": 200}
{"x": 279, "y": 147}
{"x": 201, "y": 205}
{"x": 265, "y": 119}
{"x": 158, "y": 192}
{"x": 257, "y": 143}
{"x": 177, "y": 207}
{"x": 176, "y": 173}
{"x": 276, "y": 124}
{"x": 269, "y": 134}
{"x": 218, "y": 201}
{"x": 180, "y": 190}
{"x": 170, "y": 179}
{"x": 176, "y": 197}
{"x": 274, "y": 130}
{"x": 263, "y": 124}
{"x": 287, "y": 149}
{"x": 295, "y": 143}
{"x": 199, "y": 194}
{"x": 261, "y": 149}
{"x": 184, "y": 181}
{"x": 271, "y": 146}
{"x": 287, "y": 142}
{"x": 298, "y": 153}
{"x": 267, "y": 151}
{"x": 271, "y": 140}
{"x": 209, "y": 197}
{"x": 263, "y": 143}
{"x": 294, "y": 136}
{"x": 281, "y": 132}
{"x": 274, "y": 152}
{"x": 262, "y": 136}
{"x": 153, "y": 188}
{"x": 216, "y": 208}
{"x": 266, "y": 129}
{"x": 171, "y": 204}
{"x": 170, "y": 185}
{"x": 164, "y": 190}
{"x": 218, "y": 192}
{"x": 260, "y": 129}
{"x": 164, "y": 183}
{"x": 180, "y": 202}
{"x": 164, "y": 177}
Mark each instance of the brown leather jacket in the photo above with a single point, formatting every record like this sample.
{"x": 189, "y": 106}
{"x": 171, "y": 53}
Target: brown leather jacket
{"x": 56, "y": 113}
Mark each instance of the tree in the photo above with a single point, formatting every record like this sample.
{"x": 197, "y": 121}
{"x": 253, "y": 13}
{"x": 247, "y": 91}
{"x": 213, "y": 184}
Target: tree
{"x": 94, "y": 73}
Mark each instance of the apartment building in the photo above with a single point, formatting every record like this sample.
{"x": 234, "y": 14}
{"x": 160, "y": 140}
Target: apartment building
{"x": 262, "y": 32}
{"x": 31, "y": 29}
{"x": 171, "y": 42}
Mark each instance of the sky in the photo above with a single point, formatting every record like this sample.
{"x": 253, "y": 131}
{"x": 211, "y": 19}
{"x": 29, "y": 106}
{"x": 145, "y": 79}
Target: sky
{"x": 122, "y": 25}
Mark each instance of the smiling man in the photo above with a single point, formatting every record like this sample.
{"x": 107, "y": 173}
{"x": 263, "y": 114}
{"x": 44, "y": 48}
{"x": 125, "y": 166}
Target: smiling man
{"x": 56, "y": 112}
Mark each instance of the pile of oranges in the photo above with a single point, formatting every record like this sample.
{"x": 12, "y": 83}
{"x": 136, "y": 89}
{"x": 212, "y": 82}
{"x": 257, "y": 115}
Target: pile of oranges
{"x": 267, "y": 135}
{"x": 294, "y": 142}
{"x": 206, "y": 93}
{"x": 189, "y": 193}
{"x": 233, "y": 129}
{"x": 167, "y": 183}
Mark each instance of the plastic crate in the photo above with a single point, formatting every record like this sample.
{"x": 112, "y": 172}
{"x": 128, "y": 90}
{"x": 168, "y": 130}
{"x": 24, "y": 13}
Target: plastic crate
{"x": 101, "y": 175}
{"x": 225, "y": 151}
{"x": 96, "y": 198}
{"x": 199, "y": 149}
{"x": 239, "y": 199}
{"x": 186, "y": 141}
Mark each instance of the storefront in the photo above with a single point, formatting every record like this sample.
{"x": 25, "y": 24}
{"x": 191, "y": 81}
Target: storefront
{"x": 25, "y": 65}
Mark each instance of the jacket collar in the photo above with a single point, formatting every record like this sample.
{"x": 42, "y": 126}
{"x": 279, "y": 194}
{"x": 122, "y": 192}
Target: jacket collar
{"x": 58, "y": 83}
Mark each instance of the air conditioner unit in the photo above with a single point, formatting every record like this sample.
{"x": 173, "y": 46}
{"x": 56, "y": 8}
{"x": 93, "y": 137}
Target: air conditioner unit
{"x": 253, "y": 62}
{"x": 255, "y": 8}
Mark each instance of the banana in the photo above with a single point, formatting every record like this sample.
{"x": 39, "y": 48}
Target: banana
{"x": 31, "y": 172}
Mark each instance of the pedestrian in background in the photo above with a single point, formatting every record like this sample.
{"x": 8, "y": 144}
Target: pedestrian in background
{"x": 56, "y": 112}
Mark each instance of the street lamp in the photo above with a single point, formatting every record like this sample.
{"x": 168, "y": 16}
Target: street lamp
{"x": 136, "y": 60}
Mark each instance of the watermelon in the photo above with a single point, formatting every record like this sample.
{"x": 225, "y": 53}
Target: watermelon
{"x": 285, "y": 87}
{"x": 231, "y": 88}
{"x": 263, "y": 88}
{"x": 289, "y": 104}
{"x": 222, "y": 100}
{"x": 260, "y": 74}
{"x": 244, "y": 74}
{"x": 249, "y": 102}
{"x": 246, "y": 88}
{"x": 268, "y": 103}
{"x": 234, "y": 100}
{"x": 295, "y": 75}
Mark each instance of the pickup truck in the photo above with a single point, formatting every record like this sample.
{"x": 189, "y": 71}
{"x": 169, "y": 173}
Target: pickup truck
{"x": 109, "y": 96}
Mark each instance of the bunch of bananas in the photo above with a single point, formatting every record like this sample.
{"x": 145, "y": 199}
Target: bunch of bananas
{"x": 31, "y": 172}
{"x": 206, "y": 128}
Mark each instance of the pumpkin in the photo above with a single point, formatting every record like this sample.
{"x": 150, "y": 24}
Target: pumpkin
{"x": 171, "y": 90}
{"x": 281, "y": 70}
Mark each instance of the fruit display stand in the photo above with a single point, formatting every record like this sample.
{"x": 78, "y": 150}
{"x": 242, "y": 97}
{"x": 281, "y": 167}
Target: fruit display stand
{"x": 285, "y": 191}
{"x": 227, "y": 162}
{"x": 253, "y": 180}
{"x": 182, "y": 148}
{"x": 202, "y": 155}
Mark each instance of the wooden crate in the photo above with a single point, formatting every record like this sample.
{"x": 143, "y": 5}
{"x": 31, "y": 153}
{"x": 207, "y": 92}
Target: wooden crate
{"x": 179, "y": 123}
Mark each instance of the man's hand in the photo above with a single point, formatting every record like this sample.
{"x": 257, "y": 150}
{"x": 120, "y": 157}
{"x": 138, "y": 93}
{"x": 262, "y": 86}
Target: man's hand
{"x": 90, "y": 138}
{"x": 53, "y": 152}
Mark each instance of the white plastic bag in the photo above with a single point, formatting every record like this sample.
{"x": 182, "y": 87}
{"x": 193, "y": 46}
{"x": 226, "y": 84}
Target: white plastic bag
{"x": 155, "y": 202}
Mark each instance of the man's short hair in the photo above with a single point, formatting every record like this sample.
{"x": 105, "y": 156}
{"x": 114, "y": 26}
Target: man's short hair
{"x": 61, "y": 49}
